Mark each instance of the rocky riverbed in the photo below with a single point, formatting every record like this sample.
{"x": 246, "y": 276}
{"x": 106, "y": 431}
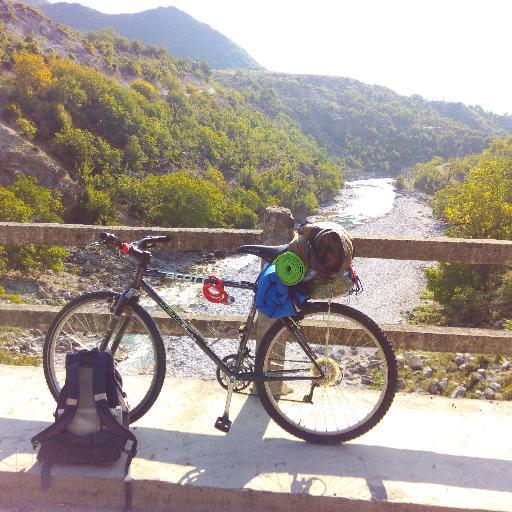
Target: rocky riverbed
{"x": 391, "y": 290}
{"x": 392, "y": 287}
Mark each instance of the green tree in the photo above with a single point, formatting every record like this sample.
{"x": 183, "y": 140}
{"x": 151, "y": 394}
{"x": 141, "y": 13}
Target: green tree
{"x": 481, "y": 207}
{"x": 87, "y": 153}
{"x": 478, "y": 207}
{"x": 26, "y": 201}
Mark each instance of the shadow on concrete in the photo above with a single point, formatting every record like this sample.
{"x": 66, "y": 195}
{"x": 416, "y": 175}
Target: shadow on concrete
{"x": 242, "y": 455}
{"x": 246, "y": 458}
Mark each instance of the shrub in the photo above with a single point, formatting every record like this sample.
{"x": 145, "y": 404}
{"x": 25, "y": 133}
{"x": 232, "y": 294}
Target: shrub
{"x": 11, "y": 297}
{"x": 26, "y": 128}
{"x": 26, "y": 201}
{"x": 97, "y": 207}
{"x": 149, "y": 91}
{"x": 401, "y": 183}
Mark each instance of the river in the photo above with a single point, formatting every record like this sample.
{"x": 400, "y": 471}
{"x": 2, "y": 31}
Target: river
{"x": 356, "y": 204}
{"x": 391, "y": 287}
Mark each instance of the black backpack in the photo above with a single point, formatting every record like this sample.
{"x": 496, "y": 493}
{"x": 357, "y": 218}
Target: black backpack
{"x": 91, "y": 420}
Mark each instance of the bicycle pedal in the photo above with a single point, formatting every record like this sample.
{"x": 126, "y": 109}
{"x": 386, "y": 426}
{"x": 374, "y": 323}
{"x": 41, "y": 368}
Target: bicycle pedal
{"x": 223, "y": 424}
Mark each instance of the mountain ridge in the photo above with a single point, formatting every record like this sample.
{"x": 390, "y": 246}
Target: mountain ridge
{"x": 370, "y": 127}
{"x": 180, "y": 33}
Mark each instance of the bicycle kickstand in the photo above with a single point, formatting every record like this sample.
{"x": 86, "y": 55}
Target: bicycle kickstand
{"x": 223, "y": 422}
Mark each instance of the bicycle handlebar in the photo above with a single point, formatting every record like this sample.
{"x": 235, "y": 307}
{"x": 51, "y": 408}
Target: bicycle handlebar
{"x": 135, "y": 249}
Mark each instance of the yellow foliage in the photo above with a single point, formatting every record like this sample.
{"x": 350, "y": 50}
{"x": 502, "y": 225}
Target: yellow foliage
{"x": 149, "y": 91}
{"x": 33, "y": 76}
{"x": 481, "y": 207}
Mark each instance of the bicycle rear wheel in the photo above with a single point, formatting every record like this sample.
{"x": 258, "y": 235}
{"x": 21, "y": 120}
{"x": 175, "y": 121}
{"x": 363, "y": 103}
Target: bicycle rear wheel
{"x": 140, "y": 355}
{"x": 359, "y": 367}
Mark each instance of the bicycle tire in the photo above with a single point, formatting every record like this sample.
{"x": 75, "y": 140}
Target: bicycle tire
{"x": 70, "y": 309}
{"x": 268, "y": 398}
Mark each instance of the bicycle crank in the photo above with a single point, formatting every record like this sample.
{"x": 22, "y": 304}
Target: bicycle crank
{"x": 223, "y": 422}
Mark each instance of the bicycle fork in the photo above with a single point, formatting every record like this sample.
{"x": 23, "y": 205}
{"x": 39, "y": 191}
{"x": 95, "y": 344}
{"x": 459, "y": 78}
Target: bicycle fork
{"x": 124, "y": 299}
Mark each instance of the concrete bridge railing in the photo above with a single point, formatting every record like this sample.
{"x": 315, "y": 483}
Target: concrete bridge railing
{"x": 278, "y": 228}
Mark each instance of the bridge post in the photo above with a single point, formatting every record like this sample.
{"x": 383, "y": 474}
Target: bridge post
{"x": 278, "y": 224}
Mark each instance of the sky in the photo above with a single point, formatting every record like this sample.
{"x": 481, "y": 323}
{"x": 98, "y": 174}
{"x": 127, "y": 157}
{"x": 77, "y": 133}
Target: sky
{"x": 453, "y": 50}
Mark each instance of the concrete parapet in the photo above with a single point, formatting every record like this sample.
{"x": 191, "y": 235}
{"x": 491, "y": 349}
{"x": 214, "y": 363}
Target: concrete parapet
{"x": 73, "y": 235}
{"x": 427, "y": 338}
{"x": 451, "y": 250}
{"x": 277, "y": 229}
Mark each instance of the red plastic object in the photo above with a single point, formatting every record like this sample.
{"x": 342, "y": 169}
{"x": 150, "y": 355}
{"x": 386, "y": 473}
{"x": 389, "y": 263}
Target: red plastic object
{"x": 214, "y": 292}
{"x": 124, "y": 249}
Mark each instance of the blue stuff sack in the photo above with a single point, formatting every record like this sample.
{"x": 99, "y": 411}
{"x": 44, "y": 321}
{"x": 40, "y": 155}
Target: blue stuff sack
{"x": 273, "y": 298}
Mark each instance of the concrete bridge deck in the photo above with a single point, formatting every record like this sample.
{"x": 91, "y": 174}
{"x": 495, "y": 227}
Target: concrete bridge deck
{"x": 428, "y": 454}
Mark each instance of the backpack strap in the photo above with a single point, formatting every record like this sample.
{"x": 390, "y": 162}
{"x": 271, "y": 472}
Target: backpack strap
{"x": 70, "y": 405}
{"x": 103, "y": 364}
{"x": 46, "y": 479}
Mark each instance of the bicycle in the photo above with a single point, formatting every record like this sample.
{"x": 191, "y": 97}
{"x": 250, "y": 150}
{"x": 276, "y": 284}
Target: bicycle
{"x": 326, "y": 375}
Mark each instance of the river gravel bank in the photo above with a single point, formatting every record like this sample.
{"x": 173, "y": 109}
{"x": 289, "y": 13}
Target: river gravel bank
{"x": 391, "y": 290}
{"x": 392, "y": 287}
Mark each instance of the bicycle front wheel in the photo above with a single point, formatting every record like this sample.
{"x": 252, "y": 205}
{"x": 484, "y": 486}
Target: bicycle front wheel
{"x": 139, "y": 355}
{"x": 358, "y": 378}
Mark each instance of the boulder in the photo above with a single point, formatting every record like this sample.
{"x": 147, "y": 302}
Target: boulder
{"x": 443, "y": 384}
{"x": 488, "y": 394}
{"x": 495, "y": 386}
{"x": 459, "y": 359}
{"x": 400, "y": 361}
{"x": 366, "y": 381}
{"x": 415, "y": 362}
{"x": 434, "y": 388}
{"x": 459, "y": 392}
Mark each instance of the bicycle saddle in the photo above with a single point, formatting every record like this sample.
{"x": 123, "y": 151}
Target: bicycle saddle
{"x": 266, "y": 252}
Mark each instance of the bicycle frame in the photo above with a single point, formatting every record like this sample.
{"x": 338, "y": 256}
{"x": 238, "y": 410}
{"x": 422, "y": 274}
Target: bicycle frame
{"x": 197, "y": 337}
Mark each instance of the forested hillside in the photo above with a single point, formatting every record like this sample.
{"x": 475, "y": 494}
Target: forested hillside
{"x": 170, "y": 27}
{"x": 373, "y": 129}
{"x": 473, "y": 196}
{"x": 145, "y": 136}
{"x": 150, "y": 138}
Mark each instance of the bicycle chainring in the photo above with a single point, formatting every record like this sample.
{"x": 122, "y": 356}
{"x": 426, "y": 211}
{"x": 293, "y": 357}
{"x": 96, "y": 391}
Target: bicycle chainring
{"x": 230, "y": 362}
